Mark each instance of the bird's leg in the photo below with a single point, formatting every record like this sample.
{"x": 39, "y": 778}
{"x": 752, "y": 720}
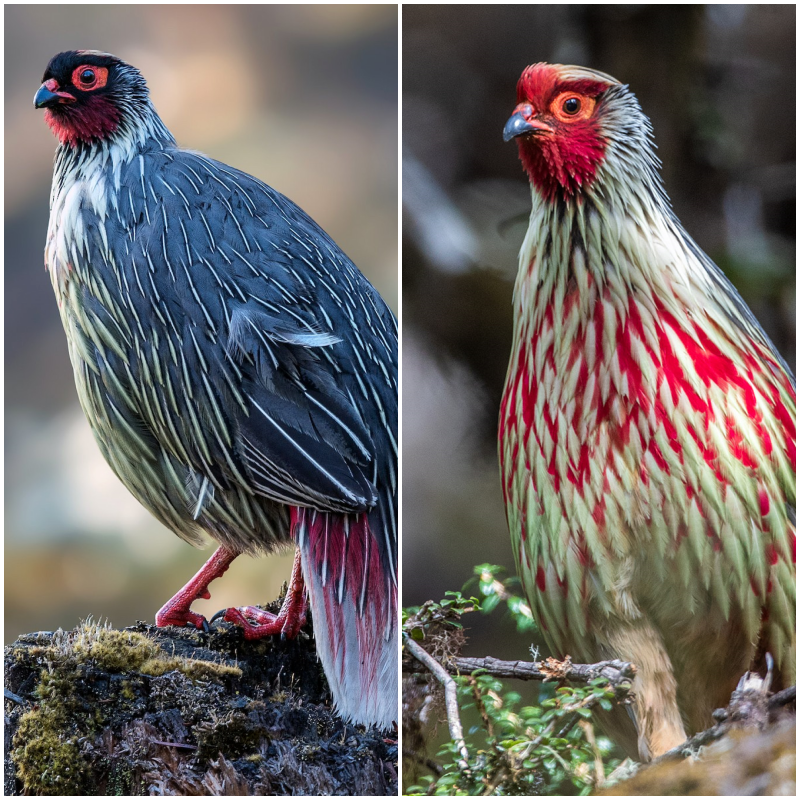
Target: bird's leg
{"x": 177, "y": 611}
{"x": 257, "y": 623}
{"x": 658, "y": 720}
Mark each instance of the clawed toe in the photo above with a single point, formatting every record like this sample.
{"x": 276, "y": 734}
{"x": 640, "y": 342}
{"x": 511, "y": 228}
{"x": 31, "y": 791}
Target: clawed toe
{"x": 258, "y": 624}
{"x": 181, "y": 618}
{"x": 254, "y": 622}
{"x": 219, "y": 615}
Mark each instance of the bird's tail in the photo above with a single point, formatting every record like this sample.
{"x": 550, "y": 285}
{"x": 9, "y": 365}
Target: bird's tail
{"x": 353, "y": 596}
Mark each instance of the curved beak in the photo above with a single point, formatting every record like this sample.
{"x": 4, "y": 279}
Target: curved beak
{"x": 47, "y": 98}
{"x": 524, "y": 123}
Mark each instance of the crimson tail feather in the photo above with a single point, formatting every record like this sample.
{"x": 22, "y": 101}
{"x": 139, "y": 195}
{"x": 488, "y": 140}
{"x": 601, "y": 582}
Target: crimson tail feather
{"x": 352, "y": 592}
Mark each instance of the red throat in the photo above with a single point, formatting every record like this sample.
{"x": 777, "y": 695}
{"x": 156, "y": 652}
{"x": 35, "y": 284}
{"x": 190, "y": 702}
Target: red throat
{"x": 560, "y": 166}
{"x": 561, "y": 163}
{"x": 94, "y": 120}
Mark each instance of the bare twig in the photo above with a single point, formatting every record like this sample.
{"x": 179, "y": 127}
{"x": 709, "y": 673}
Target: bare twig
{"x": 782, "y": 698}
{"x": 588, "y": 734}
{"x": 495, "y": 782}
{"x": 589, "y": 702}
{"x": 692, "y": 745}
{"x": 740, "y": 713}
{"x": 450, "y": 698}
{"x": 9, "y": 695}
{"x": 532, "y": 745}
{"x": 617, "y": 673}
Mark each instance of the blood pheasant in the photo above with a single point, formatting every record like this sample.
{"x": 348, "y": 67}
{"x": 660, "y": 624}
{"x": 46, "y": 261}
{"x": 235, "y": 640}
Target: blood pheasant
{"x": 237, "y": 370}
{"x": 647, "y": 433}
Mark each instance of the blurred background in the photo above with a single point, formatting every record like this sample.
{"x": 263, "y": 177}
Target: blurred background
{"x": 247, "y": 85}
{"x": 718, "y": 83}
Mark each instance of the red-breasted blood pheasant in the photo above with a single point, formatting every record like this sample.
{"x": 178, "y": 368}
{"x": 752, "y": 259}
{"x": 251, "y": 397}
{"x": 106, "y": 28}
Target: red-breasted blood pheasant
{"x": 647, "y": 430}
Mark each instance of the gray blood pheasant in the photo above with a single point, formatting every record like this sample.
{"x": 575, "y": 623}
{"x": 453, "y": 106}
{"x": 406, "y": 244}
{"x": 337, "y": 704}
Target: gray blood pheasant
{"x": 647, "y": 431}
{"x": 237, "y": 370}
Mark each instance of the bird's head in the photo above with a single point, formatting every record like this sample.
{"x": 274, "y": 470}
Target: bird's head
{"x": 88, "y": 96}
{"x": 563, "y": 126}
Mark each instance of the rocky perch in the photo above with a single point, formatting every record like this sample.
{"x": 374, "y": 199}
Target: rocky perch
{"x": 171, "y": 711}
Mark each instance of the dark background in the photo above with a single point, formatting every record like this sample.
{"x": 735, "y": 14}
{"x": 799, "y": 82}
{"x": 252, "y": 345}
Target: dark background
{"x": 303, "y": 97}
{"x": 718, "y": 83}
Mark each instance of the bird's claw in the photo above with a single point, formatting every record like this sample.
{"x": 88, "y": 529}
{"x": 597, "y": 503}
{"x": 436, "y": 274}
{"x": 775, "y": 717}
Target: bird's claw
{"x": 255, "y": 622}
{"x": 200, "y": 624}
{"x": 218, "y": 615}
{"x": 181, "y": 618}
{"x": 237, "y": 616}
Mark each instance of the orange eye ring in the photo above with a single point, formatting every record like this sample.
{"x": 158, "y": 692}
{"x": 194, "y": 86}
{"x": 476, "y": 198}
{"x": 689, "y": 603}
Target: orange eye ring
{"x": 87, "y": 78}
{"x": 571, "y": 106}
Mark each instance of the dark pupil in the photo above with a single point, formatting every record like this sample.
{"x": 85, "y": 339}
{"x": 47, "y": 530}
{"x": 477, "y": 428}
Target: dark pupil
{"x": 572, "y": 106}
{"x": 87, "y": 76}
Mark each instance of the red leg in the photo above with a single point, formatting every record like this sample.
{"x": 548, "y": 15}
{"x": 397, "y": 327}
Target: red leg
{"x": 177, "y": 611}
{"x": 292, "y": 616}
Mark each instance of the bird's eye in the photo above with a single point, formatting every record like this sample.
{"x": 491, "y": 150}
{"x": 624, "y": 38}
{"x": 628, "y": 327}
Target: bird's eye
{"x": 87, "y": 78}
{"x": 569, "y": 106}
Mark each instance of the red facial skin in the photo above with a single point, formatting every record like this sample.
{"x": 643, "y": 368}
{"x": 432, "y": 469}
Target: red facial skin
{"x": 86, "y": 117}
{"x": 563, "y": 156}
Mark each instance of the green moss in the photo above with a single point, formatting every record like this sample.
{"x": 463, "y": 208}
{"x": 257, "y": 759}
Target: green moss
{"x": 46, "y": 750}
{"x": 115, "y": 651}
{"x": 36, "y": 653}
{"x": 46, "y": 746}
{"x": 56, "y": 685}
{"x": 48, "y": 759}
{"x": 191, "y": 668}
{"x": 129, "y": 651}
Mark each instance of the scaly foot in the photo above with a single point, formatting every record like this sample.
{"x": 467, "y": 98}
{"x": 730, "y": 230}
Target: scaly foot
{"x": 177, "y": 611}
{"x": 257, "y": 623}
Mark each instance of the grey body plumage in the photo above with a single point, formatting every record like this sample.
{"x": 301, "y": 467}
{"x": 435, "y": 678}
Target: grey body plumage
{"x": 231, "y": 360}
{"x": 249, "y": 318}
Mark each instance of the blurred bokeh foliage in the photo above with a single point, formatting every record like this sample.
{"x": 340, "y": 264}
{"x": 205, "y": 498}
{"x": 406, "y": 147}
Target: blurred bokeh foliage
{"x": 303, "y": 97}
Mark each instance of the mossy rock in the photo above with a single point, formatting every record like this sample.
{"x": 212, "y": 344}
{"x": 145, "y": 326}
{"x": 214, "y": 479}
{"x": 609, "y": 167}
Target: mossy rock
{"x": 100, "y": 711}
